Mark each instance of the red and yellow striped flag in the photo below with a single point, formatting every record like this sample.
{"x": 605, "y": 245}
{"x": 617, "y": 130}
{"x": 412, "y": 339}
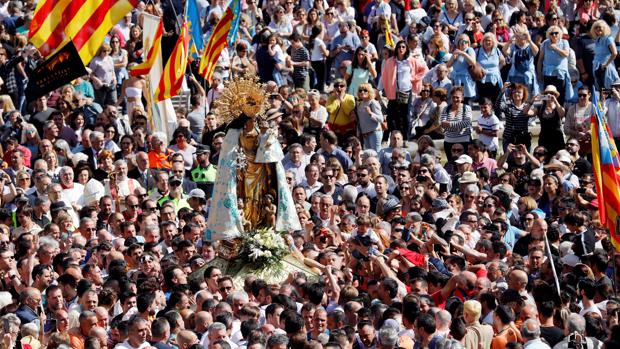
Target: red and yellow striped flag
{"x": 217, "y": 43}
{"x": 144, "y": 67}
{"x": 389, "y": 40}
{"x": 85, "y": 22}
{"x": 174, "y": 72}
{"x": 606, "y": 166}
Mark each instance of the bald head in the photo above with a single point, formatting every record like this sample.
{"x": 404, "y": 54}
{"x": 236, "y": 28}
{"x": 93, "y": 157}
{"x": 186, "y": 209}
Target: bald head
{"x": 517, "y": 280}
{"x": 529, "y": 311}
{"x": 186, "y": 338}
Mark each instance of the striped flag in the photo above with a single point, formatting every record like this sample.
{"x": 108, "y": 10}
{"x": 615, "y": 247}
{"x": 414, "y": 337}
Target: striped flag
{"x": 85, "y": 22}
{"x": 606, "y": 165}
{"x": 174, "y": 72}
{"x": 389, "y": 40}
{"x": 144, "y": 67}
{"x": 225, "y": 32}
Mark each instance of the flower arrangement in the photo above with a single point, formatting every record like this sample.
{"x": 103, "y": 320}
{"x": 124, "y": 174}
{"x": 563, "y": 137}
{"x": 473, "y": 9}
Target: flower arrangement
{"x": 264, "y": 247}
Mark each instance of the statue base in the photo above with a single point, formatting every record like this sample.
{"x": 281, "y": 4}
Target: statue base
{"x": 238, "y": 269}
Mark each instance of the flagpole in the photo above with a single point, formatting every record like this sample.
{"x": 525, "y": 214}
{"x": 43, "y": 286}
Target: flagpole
{"x": 555, "y": 274}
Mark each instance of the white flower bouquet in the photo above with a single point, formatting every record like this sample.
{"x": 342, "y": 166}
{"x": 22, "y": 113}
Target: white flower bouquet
{"x": 264, "y": 247}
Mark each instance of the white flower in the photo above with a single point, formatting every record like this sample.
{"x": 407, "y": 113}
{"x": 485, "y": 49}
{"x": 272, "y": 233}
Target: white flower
{"x": 267, "y": 254}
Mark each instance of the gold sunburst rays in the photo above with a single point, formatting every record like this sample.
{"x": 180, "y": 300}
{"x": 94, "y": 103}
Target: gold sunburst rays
{"x": 242, "y": 95}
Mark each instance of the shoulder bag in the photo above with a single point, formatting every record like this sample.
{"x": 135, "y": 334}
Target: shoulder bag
{"x": 475, "y": 70}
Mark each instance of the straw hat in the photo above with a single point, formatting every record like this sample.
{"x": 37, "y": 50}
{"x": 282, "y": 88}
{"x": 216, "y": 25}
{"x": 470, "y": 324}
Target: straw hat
{"x": 551, "y": 90}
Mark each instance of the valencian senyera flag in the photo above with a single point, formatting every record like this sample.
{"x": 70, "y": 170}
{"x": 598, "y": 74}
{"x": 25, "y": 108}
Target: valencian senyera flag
{"x": 196, "y": 43}
{"x": 606, "y": 165}
{"x": 174, "y": 72}
{"x": 224, "y": 33}
{"x": 85, "y": 22}
{"x": 145, "y": 67}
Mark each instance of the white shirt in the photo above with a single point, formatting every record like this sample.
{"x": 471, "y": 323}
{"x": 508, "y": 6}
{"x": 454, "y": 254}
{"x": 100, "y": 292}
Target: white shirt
{"x": 489, "y": 123}
{"x": 612, "y": 112}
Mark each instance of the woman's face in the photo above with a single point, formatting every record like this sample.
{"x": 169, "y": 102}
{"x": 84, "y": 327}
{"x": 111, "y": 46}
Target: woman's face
{"x": 83, "y": 177}
{"x": 126, "y": 144}
{"x": 135, "y": 32}
{"x": 313, "y": 15}
{"x": 488, "y": 43}
{"x": 108, "y": 162}
{"x": 457, "y": 98}
{"x": 517, "y": 94}
{"x": 454, "y": 203}
{"x": 528, "y": 221}
{"x": 51, "y": 160}
{"x": 550, "y": 186}
{"x": 110, "y": 133}
{"x": 489, "y": 206}
{"x": 79, "y": 121}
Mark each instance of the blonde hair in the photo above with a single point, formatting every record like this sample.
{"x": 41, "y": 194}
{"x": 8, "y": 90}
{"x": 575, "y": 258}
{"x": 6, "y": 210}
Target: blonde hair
{"x": 367, "y": 87}
{"x": 552, "y": 29}
{"x": 600, "y": 24}
{"x": 7, "y": 103}
{"x": 490, "y": 36}
{"x": 530, "y": 204}
{"x": 473, "y": 308}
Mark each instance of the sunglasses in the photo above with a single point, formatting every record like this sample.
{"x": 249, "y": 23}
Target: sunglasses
{"x": 555, "y": 33}
{"x": 583, "y": 95}
{"x": 362, "y": 90}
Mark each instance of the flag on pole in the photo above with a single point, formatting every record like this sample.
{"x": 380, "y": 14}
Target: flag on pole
{"x": 85, "y": 22}
{"x": 606, "y": 165}
{"x": 225, "y": 32}
{"x": 153, "y": 52}
{"x": 174, "y": 72}
{"x": 389, "y": 40}
{"x": 196, "y": 43}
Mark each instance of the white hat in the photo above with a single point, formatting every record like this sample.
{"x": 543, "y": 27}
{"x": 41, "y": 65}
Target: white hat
{"x": 570, "y": 260}
{"x": 464, "y": 159}
{"x": 468, "y": 177}
{"x": 565, "y": 159}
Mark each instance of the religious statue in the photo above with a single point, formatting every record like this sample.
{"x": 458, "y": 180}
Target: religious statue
{"x": 249, "y": 167}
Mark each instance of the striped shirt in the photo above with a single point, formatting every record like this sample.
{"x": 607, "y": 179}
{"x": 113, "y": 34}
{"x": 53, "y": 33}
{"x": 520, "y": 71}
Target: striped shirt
{"x": 300, "y": 55}
{"x": 459, "y": 129}
{"x": 514, "y": 116}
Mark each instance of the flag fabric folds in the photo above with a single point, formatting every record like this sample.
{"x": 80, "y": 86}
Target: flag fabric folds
{"x": 155, "y": 49}
{"x": 174, "y": 72}
{"x": 85, "y": 22}
{"x": 389, "y": 40}
{"x": 606, "y": 165}
{"x": 225, "y": 30}
{"x": 196, "y": 43}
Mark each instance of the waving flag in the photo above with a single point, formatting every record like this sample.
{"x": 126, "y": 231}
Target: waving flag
{"x": 174, "y": 72}
{"x": 389, "y": 40}
{"x": 155, "y": 48}
{"x": 606, "y": 165}
{"x": 196, "y": 43}
{"x": 85, "y": 22}
{"x": 224, "y": 33}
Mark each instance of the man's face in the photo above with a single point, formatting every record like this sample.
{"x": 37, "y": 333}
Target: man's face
{"x": 320, "y": 321}
{"x": 217, "y": 335}
{"x": 367, "y": 335}
{"x": 329, "y": 178}
{"x": 226, "y": 288}
{"x": 138, "y": 333}
{"x": 90, "y": 301}
{"x": 536, "y": 259}
{"x": 363, "y": 177}
{"x": 380, "y": 186}
{"x": 45, "y": 279}
{"x": 17, "y": 159}
{"x": 217, "y": 144}
{"x": 299, "y": 194}
{"x": 88, "y": 324}
{"x": 98, "y": 143}
{"x": 55, "y": 300}
{"x": 296, "y": 154}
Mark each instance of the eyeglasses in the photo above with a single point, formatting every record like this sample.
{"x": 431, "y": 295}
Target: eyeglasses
{"x": 340, "y": 86}
{"x": 555, "y": 33}
{"x": 11, "y": 257}
{"x": 134, "y": 206}
{"x": 539, "y": 154}
{"x": 472, "y": 221}
{"x": 328, "y": 176}
{"x": 362, "y": 90}
{"x": 226, "y": 288}
{"x": 583, "y": 95}
{"x": 150, "y": 209}
{"x": 289, "y": 179}
{"x": 427, "y": 91}
{"x": 489, "y": 205}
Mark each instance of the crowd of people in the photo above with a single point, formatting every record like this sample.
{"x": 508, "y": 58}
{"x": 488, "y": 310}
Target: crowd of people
{"x": 438, "y": 154}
